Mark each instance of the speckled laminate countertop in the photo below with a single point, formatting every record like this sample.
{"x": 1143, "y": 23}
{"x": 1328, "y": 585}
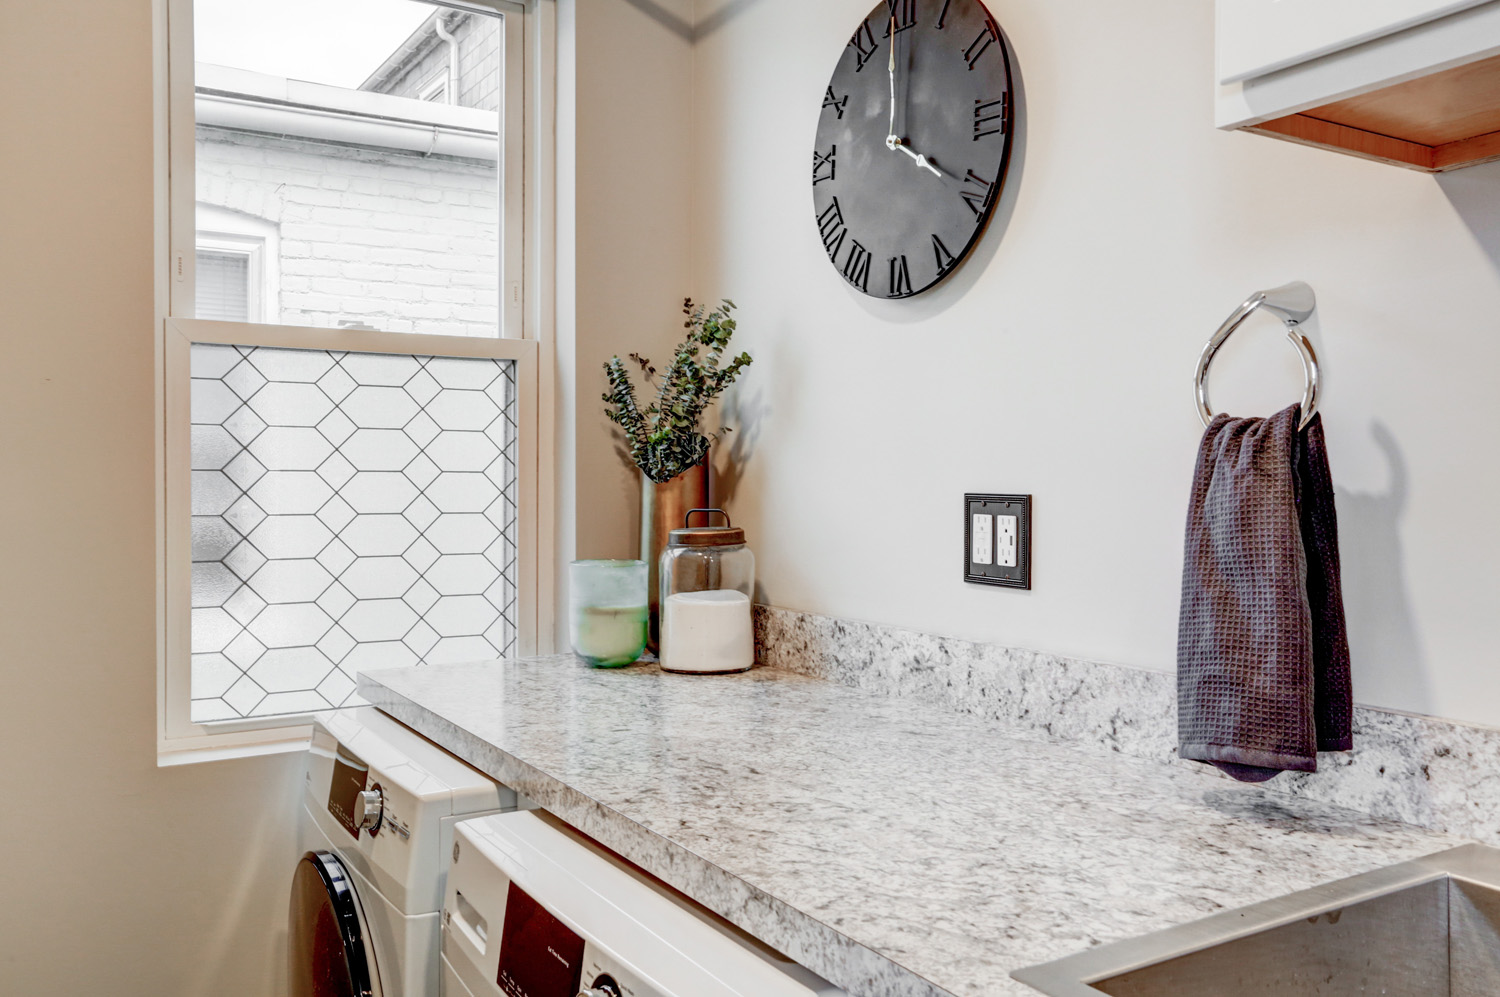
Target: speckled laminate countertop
{"x": 893, "y": 847}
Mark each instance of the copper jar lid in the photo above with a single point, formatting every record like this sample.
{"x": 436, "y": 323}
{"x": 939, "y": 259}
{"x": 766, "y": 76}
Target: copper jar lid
{"x": 727, "y": 535}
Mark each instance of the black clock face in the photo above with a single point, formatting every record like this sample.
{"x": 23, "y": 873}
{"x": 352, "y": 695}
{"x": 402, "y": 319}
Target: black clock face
{"x": 903, "y": 186}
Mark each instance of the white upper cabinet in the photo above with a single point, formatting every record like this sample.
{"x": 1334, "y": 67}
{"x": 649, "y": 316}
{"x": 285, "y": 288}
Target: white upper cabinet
{"x": 1256, "y": 37}
{"x": 1415, "y": 83}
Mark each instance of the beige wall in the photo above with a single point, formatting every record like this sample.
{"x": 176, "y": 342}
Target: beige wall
{"x": 1058, "y": 360}
{"x": 625, "y": 171}
{"x": 118, "y": 877}
{"x": 122, "y": 877}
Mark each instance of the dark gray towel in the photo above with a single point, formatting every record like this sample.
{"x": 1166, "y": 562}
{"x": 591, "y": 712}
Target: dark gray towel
{"x": 1262, "y": 656}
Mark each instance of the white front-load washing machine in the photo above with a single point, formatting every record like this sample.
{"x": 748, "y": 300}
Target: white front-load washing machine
{"x": 535, "y": 909}
{"x": 379, "y": 805}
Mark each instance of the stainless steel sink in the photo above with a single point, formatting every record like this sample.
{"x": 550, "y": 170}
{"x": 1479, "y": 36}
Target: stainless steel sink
{"x": 1425, "y": 928}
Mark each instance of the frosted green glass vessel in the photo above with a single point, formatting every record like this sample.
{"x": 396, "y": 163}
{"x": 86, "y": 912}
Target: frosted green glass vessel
{"x": 607, "y": 611}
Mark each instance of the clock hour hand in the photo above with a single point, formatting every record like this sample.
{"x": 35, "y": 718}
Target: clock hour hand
{"x": 894, "y": 143}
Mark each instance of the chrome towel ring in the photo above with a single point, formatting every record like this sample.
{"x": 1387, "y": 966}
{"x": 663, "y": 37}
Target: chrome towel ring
{"x": 1292, "y": 303}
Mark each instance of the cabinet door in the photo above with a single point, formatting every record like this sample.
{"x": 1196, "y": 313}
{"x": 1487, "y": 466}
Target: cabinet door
{"x": 1256, "y": 37}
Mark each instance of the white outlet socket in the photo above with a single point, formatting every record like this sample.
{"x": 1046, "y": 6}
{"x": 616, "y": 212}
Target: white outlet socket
{"x": 997, "y": 539}
{"x": 982, "y": 540}
{"x": 1006, "y": 532}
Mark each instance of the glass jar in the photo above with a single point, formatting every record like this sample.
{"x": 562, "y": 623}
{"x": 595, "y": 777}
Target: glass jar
{"x": 707, "y": 577}
{"x": 607, "y": 611}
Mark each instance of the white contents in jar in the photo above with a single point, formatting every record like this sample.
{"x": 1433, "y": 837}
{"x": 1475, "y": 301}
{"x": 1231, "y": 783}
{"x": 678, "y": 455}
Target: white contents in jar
{"x": 707, "y": 632}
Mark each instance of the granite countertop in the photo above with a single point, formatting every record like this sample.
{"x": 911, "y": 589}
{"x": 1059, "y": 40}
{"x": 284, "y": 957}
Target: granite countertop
{"x": 893, "y": 847}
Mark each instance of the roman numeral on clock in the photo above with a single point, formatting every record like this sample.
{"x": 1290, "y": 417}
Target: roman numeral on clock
{"x": 831, "y": 228}
{"x": 857, "y": 266}
{"x": 943, "y": 14}
{"x": 823, "y": 164}
{"x": 945, "y": 259}
{"x": 987, "y": 37}
{"x": 837, "y": 103}
{"x": 991, "y": 116}
{"x": 979, "y": 198}
{"x": 903, "y": 12}
{"x": 864, "y": 45}
{"x": 900, "y": 280}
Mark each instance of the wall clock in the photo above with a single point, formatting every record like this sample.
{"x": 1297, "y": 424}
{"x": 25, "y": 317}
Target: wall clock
{"x": 913, "y": 138}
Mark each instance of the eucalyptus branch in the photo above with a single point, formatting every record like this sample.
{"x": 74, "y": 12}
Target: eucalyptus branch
{"x": 665, "y": 438}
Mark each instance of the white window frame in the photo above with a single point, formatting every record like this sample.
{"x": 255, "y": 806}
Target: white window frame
{"x": 224, "y": 230}
{"x": 527, "y": 316}
{"x": 435, "y": 90}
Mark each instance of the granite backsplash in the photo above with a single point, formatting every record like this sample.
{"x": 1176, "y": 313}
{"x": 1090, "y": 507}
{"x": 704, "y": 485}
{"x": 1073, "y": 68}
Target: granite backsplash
{"x": 1421, "y": 770}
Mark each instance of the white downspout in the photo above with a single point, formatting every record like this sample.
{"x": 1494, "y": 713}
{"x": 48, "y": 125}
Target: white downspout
{"x": 445, "y": 35}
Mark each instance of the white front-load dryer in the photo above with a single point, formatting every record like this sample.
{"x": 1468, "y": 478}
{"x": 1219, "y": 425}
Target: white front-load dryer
{"x": 379, "y": 804}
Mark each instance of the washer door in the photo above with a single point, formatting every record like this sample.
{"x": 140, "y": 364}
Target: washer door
{"x": 329, "y": 945}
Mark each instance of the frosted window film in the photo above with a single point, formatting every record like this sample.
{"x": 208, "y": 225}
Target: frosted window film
{"x": 350, "y": 511}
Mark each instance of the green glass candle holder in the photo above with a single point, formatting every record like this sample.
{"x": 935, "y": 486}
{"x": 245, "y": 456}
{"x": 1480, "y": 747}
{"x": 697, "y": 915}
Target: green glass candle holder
{"x": 607, "y": 611}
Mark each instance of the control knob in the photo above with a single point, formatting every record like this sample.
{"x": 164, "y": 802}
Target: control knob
{"x": 604, "y": 986}
{"x": 368, "y": 809}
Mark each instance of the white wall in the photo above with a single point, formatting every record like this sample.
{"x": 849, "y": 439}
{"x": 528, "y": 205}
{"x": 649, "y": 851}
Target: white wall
{"x": 117, "y": 877}
{"x": 1057, "y": 361}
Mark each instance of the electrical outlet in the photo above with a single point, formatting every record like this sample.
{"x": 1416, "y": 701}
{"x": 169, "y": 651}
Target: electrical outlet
{"x": 982, "y": 539}
{"x": 1005, "y": 540}
{"x": 997, "y": 540}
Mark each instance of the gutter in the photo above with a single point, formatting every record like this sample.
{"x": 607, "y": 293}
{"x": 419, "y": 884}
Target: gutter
{"x": 253, "y": 102}
{"x": 253, "y": 115}
{"x": 442, "y": 32}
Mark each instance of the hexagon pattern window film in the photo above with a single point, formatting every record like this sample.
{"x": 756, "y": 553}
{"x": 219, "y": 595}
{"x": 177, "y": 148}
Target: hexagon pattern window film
{"x": 350, "y": 511}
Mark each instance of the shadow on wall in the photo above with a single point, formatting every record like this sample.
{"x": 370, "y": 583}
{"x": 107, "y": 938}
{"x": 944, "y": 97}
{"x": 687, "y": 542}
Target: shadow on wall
{"x": 1471, "y": 191}
{"x": 692, "y": 30}
{"x": 746, "y": 410}
{"x": 743, "y": 413}
{"x": 240, "y": 889}
{"x": 1382, "y": 627}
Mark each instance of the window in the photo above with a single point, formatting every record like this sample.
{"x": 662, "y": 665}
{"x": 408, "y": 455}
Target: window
{"x": 223, "y": 284}
{"x": 350, "y": 386}
{"x": 435, "y": 90}
{"x": 238, "y": 266}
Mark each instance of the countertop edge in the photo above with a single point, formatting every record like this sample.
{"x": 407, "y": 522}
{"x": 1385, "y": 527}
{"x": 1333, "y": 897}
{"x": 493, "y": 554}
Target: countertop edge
{"x": 800, "y": 936}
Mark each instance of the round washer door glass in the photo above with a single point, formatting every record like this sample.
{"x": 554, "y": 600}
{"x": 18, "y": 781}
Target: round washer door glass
{"x": 913, "y": 140}
{"x": 326, "y": 954}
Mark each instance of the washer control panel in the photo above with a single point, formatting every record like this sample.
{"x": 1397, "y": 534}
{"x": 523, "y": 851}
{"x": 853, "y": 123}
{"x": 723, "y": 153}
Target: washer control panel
{"x": 534, "y": 909}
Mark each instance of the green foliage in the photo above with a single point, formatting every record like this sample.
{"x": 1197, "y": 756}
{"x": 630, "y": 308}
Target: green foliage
{"x": 665, "y": 438}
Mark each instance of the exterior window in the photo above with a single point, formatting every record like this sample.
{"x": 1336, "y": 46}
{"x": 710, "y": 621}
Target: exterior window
{"x": 350, "y": 394}
{"x": 238, "y": 267}
{"x": 223, "y": 284}
{"x": 435, "y": 90}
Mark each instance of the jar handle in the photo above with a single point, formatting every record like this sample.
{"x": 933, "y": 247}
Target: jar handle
{"x": 688, "y": 519}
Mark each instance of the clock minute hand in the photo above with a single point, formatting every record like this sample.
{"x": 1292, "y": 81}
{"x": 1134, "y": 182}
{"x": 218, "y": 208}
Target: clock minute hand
{"x": 892, "y": 142}
{"x": 891, "y": 129}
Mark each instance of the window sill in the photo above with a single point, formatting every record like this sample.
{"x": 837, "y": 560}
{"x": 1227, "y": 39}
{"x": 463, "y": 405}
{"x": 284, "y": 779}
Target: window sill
{"x": 228, "y": 747}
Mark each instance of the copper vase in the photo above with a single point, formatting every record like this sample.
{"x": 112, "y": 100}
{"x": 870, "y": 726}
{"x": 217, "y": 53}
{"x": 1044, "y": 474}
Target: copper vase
{"x": 664, "y": 507}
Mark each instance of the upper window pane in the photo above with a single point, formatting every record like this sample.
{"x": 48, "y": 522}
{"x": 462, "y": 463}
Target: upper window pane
{"x": 361, "y": 137}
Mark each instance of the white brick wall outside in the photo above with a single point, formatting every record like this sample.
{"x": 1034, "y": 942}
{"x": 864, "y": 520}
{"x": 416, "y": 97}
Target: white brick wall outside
{"x": 381, "y": 237}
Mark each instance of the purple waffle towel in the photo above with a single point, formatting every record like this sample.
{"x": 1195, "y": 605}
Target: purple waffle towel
{"x": 1262, "y": 656}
